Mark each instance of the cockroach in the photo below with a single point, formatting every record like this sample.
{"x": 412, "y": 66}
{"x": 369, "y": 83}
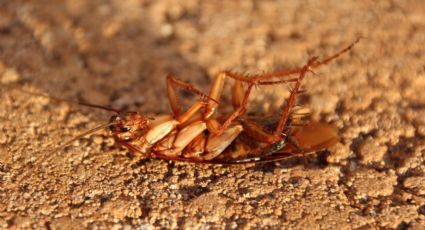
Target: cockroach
{"x": 200, "y": 135}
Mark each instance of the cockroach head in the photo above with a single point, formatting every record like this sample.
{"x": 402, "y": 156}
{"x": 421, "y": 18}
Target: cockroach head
{"x": 129, "y": 126}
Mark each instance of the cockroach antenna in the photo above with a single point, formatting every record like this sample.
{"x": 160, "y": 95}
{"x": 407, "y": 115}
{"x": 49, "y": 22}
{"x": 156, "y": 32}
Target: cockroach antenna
{"x": 64, "y": 145}
{"x": 71, "y": 101}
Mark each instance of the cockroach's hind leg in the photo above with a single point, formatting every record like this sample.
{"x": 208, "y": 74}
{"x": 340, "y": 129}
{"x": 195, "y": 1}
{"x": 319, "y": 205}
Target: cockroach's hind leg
{"x": 328, "y": 59}
{"x": 285, "y": 73}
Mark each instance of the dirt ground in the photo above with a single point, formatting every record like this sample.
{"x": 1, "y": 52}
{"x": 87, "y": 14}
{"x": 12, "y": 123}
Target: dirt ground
{"x": 117, "y": 53}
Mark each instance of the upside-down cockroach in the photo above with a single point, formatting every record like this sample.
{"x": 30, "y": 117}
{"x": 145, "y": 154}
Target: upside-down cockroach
{"x": 201, "y": 135}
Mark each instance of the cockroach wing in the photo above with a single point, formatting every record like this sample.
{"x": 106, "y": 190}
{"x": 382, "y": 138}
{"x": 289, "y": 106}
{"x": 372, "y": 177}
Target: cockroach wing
{"x": 314, "y": 137}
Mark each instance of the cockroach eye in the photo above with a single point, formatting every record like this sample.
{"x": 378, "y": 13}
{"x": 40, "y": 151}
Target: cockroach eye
{"x": 125, "y": 129}
{"x": 127, "y": 139}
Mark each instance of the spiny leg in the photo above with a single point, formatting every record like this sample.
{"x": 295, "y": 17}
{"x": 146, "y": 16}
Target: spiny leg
{"x": 286, "y": 113}
{"x": 261, "y": 79}
{"x": 291, "y": 101}
{"x": 190, "y": 132}
{"x": 277, "y": 140}
{"x": 288, "y": 72}
{"x": 193, "y": 129}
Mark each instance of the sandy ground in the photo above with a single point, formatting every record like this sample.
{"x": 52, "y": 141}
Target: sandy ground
{"x": 117, "y": 53}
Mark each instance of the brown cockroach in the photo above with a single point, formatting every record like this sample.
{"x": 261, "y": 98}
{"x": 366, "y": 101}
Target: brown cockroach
{"x": 200, "y": 135}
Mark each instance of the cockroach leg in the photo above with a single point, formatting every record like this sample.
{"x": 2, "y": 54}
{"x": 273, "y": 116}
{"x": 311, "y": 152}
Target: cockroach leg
{"x": 286, "y": 73}
{"x": 281, "y": 135}
{"x": 239, "y": 98}
{"x": 215, "y": 93}
{"x": 326, "y": 60}
{"x": 234, "y": 115}
{"x": 239, "y": 102}
{"x": 172, "y": 84}
{"x": 186, "y": 116}
{"x": 291, "y": 100}
{"x": 276, "y": 82}
{"x": 237, "y": 94}
{"x": 255, "y": 79}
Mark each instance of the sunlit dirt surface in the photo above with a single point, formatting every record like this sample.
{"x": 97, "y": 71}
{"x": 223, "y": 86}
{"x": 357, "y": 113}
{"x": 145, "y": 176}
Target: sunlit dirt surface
{"x": 117, "y": 53}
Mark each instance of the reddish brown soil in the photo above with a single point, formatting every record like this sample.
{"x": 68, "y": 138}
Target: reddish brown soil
{"x": 117, "y": 53}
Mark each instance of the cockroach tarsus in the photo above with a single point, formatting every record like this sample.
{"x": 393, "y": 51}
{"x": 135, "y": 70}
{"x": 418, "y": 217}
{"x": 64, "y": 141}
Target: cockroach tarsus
{"x": 201, "y": 135}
